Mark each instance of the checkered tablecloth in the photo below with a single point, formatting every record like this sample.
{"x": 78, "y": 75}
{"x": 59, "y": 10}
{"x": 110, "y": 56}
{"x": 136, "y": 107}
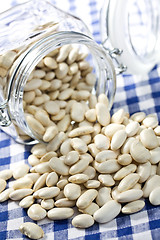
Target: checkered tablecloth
{"x": 134, "y": 93}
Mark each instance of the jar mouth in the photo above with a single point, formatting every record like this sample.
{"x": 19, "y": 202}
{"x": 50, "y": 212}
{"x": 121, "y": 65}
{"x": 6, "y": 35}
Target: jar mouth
{"x": 106, "y": 77}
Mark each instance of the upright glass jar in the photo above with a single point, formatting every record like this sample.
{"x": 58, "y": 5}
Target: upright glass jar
{"x": 132, "y": 27}
{"x": 29, "y": 32}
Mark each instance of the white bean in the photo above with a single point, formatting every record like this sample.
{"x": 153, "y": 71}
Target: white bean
{"x": 40, "y": 182}
{"x": 51, "y": 107}
{"x": 106, "y": 179}
{"x": 71, "y": 158}
{"x": 133, "y": 207}
{"x": 51, "y": 179}
{"x": 132, "y": 128}
{"x": 79, "y": 167}
{"x": 26, "y": 202}
{"x": 138, "y": 117}
{"x": 125, "y": 171}
{"x": 2, "y": 184}
{"x": 79, "y": 145}
{"x": 92, "y": 184}
{"x": 150, "y": 121}
{"x": 144, "y": 171}
{"x": 46, "y": 157}
{"x": 91, "y": 115}
{"x": 101, "y": 142}
{"x": 151, "y": 183}
{"x": 83, "y": 221}
{"x": 155, "y": 155}
{"x": 124, "y": 159}
{"x": 58, "y": 166}
{"x": 33, "y": 84}
{"x": 105, "y": 214}
{"x": 90, "y": 172}
{"x": 90, "y": 209}
{"x": 118, "y": 139}
{"x": 128, "y": 182}
{"x": 112, "y": 128}
{"x": 50, "y": 133}
{"x": 48, "y": 192}
{"x": 24, "y": 182}
{"x": 148, "y": 138}
{"x": 84, "y": 130}
{"x": 102, "y": 98}
{"x": 20, "y": 171}
{"x": 60, "y": 213}
{"x": 78, "y": 178}
{"x": 56, "y": 142}
{"x": 118, "y": 116}
{"x": 129, "y": 195}
{"x": 65, "y": 202}
{"x": 139, "y": 153}
{"x": 6, "y": 174}
{"x": 127, "y": 144}
{"x": 33, "y": 160}
{"x": 39, "y": 150}
{"x": 50, "y": 62}
{"x": 5, "y": 194}
{"x": 42, "y": 116}
{"x": 20, "y": 193}
{"x": 109, "y": 166}
{"x": 86, "y": 198}
{"x": 105, "y": 155}
{"x": 154, "y": 196}
{"x": 72, "y": 191}
{"x": 36, "y": 212}
{"x": 104, "y": 195}
{"x": 47, "y": 204}
{"x": 31, "y": 230}
{"x": 103, "y": 115}
{"x": 77, "y": 112}
{"x": 35, "y": 125}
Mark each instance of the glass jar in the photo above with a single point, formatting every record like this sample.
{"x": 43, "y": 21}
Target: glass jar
{"x": 132, "y": 27}
{"x": 29, "y": 32}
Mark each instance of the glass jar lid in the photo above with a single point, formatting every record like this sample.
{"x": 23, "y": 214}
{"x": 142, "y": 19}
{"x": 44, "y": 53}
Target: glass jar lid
{"x": 133, "y": 27}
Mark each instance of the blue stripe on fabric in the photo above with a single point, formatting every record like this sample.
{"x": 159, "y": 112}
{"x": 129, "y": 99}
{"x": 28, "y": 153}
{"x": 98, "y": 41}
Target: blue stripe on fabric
{"x": 18, "y": 212}
{"x": 5, "y": 161}
{"x": 109, "y": 234}
{"x": 142, "y": 227}
{"x": 123, "y": 225}
{"x": 92, "y": 232}
{"x": 72, "y": 7}
{"x": 13, "y": 234}
{"x": 95, "y": 236}
{"x": 5, "y": 143}
{"x": 3, "y": 220}
{"x": 155, "y": 233}
{"x": 61, "y": 229}
{"x": 3, "y": 234}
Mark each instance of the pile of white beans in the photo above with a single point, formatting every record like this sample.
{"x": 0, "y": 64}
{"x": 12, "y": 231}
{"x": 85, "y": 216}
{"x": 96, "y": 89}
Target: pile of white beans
{"x": 101, "y": 164}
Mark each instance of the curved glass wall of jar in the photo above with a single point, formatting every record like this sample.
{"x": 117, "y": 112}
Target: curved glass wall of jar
{"x": 133, "y": 27}
{"x": 28, "y": 22}
{"x": 32, "y": 82}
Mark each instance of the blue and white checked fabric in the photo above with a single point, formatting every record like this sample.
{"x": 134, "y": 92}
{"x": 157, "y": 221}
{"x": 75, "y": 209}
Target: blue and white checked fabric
{"x": 134, "y": 93}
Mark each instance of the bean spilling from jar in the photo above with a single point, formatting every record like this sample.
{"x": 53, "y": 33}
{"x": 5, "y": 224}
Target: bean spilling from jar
{"x": 92, "y": 160}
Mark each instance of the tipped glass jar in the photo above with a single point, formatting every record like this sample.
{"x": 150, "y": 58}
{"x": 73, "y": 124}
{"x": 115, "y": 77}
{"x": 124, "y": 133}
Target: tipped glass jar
{"x": 46, "y": 54}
